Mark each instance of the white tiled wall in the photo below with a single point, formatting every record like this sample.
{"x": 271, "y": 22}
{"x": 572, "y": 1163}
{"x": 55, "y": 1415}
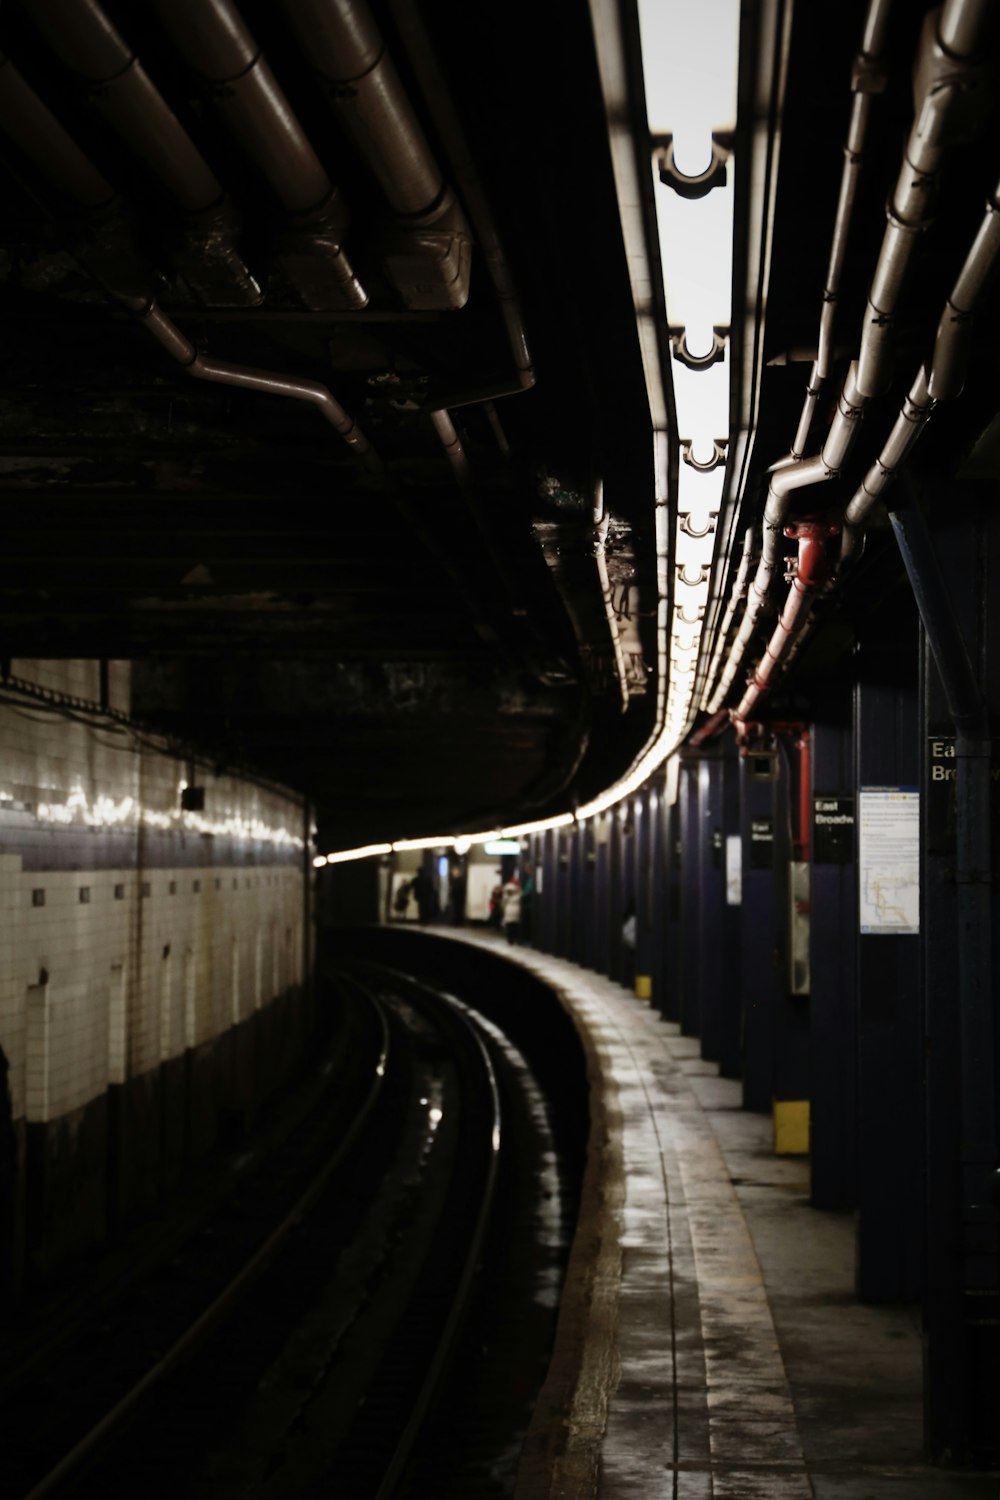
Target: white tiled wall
{"x": 99, "y": 989}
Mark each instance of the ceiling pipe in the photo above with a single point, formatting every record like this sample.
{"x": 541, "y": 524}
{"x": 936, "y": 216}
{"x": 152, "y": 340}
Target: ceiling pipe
{"x": 496, "y": 427}
{"x": 737, "y": 593}
{"x": 215, "y": 42}
{"x": 783, "y": 482}
{"x": 50, "y": 148}
{"x": 713, "y": 726}
{"x": 452, "y": 445}
{"x": 951, "y": 97}
{"x": 945, "y": 376}
{"x": 952, "y": 345}
{"x": 868, "y": 78}
{"x": 82, "y": 37}
{"x": 810, "y": 571}
{"x": 427, "y": 251}
{"x": 962, "y": 25}
{"x": 906, "y": 429}
{"x": 106, "y": 247}
{"x": 223, "y": 372}
{"x": 943, "y": 379}
{"x": 952, "y": 94}
{"x": 465, "y": 174}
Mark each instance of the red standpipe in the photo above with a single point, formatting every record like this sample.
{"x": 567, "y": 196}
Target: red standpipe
{"x": 803, "y": 745}
{"x": 715, "y": 725}
{"x": 809, "y": 574}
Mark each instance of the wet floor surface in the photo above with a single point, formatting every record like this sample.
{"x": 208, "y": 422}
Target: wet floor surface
{"x": 742, "y": 1366}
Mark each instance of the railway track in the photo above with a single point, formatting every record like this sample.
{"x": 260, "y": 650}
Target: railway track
{"x": 294, "y": 1343}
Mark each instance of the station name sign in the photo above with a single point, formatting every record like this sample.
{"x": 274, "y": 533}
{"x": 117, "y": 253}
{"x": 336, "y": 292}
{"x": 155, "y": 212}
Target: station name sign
{"x": 941, "y": 760}
{"x": 761, "y": 843}
{"x": 833, "y": 829}
{"x": 941, "y": 771}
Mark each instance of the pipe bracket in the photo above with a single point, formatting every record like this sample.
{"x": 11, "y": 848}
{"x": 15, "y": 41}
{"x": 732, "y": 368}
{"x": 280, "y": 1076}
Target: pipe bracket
{"x": 686, "y": 525}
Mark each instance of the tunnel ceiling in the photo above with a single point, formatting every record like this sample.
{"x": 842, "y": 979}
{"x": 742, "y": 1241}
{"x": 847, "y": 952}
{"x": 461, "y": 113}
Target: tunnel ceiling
{"x": 396, "y": 611}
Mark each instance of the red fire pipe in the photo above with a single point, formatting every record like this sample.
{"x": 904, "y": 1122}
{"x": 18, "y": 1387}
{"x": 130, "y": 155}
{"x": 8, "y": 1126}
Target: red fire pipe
{"x": 809, "y": 574}
{"x": 804, "y": 746}
{"x": 712, "y": 726}
{"x": 799, "y": 732}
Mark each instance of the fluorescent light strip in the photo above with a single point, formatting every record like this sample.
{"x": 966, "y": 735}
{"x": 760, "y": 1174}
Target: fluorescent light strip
{"x": 560, "y": 821}
{"x": 341, "y": 856}
{"x": 690, "y": 67}
{"x": 441, "y": 841}
{"x": 696, "y": 253}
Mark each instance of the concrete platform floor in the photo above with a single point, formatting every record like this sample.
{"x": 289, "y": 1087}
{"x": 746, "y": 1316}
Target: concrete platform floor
{"x": 710, "y": 1345}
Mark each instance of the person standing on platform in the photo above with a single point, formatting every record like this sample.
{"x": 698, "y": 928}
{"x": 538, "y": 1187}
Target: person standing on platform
{"x": 630, "y": 939}
{"x": 512, "y": 909}
{"x": 423, "y": 892}
{"x": 402, "y": 898}
{"x": 496, "y": 903}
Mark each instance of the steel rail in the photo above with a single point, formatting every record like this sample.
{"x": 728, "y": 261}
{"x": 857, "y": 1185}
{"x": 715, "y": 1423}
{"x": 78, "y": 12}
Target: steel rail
{"x": 88, "y": 1447}
{"x": 464, "y": 1025}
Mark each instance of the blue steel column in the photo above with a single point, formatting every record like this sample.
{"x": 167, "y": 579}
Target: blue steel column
{"x": 730, "y": 1015}
{"x": 547, "y": 901}
{"x": 833, "y": 969}
{"x": 577, "y": 914}
{"x": 690, "y": 938}
{"x": 711, "y": 905}
{"x": 613, "y": 916}
{"x": 962, "y": 1296}
{"x": 630, "y": 829}
{"x": 602, "y": 888}
{"x": 588, "y": 903}
{"x": 758, "y": 923}
{"x": 890, "y": 1021}
{"x": 537, "y": 862}
{"x": 791, "y": 1013}
{"x": 563, "y": 892}
{"x": 645, "y": 802}
{"x": 658, "y": 916}
{"x": 535, "y": 844}
{"x": 672, "y": 917}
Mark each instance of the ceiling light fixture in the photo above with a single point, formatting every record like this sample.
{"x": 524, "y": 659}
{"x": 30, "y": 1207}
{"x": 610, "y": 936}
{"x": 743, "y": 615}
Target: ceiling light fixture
{"x": 690, "y": 56}
{"x": 366, "y": 851}
{"x": 538, "y": 826}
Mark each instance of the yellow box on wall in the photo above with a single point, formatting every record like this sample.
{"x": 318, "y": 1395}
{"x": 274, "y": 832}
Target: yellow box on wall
{"x": 644, "y": 986}
{"x": 791, "y": 1127}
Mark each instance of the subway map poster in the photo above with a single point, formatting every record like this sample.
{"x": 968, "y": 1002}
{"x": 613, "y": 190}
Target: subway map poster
{"x": 889, "y": 859}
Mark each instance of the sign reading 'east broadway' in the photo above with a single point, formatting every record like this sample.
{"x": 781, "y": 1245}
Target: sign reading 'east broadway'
{"x": 833, "y": 829}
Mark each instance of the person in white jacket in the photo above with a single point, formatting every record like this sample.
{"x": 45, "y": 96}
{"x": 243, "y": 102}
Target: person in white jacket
{"x": 512, "y": 909}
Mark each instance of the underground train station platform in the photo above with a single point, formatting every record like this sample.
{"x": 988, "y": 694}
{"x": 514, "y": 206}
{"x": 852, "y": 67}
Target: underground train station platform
{"x": 710, "y": 1345}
